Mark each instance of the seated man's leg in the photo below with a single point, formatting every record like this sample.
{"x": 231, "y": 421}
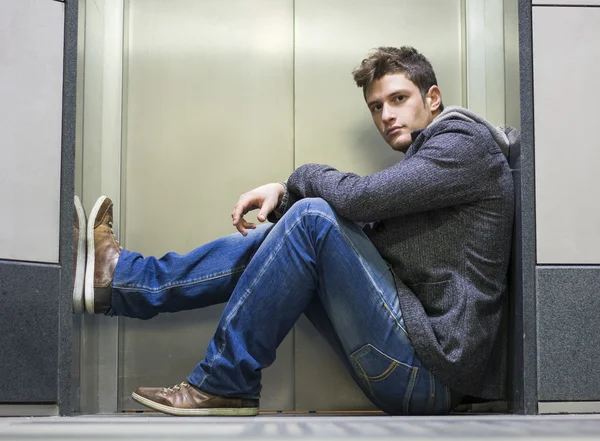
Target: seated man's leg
{"x": 311, "y": 252}
{"x": 122, "y": 282}
{"x": 361, "y": 319}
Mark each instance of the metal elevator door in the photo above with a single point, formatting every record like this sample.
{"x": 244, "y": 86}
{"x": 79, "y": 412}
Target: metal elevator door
{"x": 209, "y": 116}
{"x": 220, "y": 96}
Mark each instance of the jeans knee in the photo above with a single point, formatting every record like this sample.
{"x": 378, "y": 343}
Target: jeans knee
{"x": 312, "y": 205}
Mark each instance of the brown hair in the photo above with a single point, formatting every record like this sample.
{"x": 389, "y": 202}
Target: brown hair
{"x": 392, "y": 60}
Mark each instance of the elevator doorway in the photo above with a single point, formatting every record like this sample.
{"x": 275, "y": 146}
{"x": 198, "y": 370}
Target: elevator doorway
{"x": 186, "y": 104}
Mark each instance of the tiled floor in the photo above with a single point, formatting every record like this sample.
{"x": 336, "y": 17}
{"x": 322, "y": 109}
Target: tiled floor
{"x": 275, "y": 427}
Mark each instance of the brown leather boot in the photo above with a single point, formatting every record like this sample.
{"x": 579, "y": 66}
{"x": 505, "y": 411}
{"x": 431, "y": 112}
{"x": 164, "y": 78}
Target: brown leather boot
{"x": 187, "y": 400}
{"x": 78, "y": 256}
{"x": 103, "y": 252}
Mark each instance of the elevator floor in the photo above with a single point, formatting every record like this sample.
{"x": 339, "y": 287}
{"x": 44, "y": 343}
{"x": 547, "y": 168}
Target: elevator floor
{"x": 275, "y": 427}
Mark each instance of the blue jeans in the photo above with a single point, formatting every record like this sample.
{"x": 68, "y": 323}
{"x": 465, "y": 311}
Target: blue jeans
{"x": 313, "y": 262}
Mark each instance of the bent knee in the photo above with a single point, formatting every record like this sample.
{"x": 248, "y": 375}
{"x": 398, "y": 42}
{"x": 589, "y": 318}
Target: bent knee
{"x": 312, "y": 205}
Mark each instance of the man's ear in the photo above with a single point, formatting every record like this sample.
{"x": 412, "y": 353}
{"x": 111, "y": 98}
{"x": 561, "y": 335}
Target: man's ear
{"x": 434, "y": 98}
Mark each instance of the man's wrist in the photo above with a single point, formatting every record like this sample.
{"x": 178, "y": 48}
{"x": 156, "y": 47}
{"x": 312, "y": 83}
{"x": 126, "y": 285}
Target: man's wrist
{"x": 283, "y": 200}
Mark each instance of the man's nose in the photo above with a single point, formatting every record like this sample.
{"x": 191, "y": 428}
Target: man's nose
{"x": 386, "y": 114}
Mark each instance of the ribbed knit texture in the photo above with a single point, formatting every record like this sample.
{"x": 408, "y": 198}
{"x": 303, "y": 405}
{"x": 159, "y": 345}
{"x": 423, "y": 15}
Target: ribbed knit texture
{"x": 442, "y": 217}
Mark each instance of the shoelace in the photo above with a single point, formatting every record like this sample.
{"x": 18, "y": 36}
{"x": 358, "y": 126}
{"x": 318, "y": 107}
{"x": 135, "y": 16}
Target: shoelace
{"x": 113, "y": 233}
{"x": 176, "y": 388}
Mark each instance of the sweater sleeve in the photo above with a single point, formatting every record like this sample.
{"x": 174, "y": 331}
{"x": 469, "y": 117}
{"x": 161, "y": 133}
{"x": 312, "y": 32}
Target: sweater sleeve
{"x": 445, "y": 171}
{"x": 287, "y": 201}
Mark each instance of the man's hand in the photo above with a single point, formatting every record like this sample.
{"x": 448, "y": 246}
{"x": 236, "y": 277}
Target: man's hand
{"x": 265, "y": 197}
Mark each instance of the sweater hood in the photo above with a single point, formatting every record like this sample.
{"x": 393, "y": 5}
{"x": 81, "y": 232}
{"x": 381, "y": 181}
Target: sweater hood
{"x": 460, "y": 113}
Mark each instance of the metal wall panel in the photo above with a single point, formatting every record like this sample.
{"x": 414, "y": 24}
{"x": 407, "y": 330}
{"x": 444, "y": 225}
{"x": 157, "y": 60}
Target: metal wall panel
{"x": 484, "y": 23}
{"x": 31, "y": 76}
{"x": 567, "y": 333}
{"x": 209, "y": 116}
{"x": 100, "y": 135}
{"x": 29, "y": 332}
{"x": 511, "y": 65}
{"x": 566, "y": 62}
{"x": 333, "y": 126}
{"x": 522, "y": 394}
{"x": 78, "y": 190}
{"x": 567, "y": 2}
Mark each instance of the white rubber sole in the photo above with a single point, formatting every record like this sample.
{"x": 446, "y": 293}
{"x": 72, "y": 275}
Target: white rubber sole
{"x": 226, "y": 411}
{"x": 80, "y": 264}
{"x": 91, "y": 257}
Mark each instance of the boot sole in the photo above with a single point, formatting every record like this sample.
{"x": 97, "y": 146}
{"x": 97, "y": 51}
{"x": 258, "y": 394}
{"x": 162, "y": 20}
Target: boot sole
{"x": 80, "y": 264}
{"x": 225, "y": 411}
{"x": 91, "y": 257}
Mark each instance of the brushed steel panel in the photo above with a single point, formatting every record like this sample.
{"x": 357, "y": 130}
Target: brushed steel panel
{"x": 333, "y": 126}
{"x": 511, "y": 65}
{"x": 28, "y": 410}
{"x": 209, "y": 116}
{"x": 567, "y": 145}
{"x": 559, "y": 3}
{"x": 569, "y": 407}
{"x": 484, "y": 23}
{"x": 100, "y": 161}
{"x": 31, "y": 78}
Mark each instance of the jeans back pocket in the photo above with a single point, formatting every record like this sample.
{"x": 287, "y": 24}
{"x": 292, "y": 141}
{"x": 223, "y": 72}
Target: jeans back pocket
{"x": 389, "y": 382}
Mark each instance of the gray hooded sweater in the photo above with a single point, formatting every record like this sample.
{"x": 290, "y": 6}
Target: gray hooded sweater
{"x": 442, "y": 218}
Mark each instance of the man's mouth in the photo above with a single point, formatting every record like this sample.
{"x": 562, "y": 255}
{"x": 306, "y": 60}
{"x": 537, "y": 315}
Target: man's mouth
{"x": 393, "y": 130}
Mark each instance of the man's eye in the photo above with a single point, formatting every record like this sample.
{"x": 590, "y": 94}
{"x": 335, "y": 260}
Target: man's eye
{"x": 399, "y": 98}
{"x": 376, "y": 108}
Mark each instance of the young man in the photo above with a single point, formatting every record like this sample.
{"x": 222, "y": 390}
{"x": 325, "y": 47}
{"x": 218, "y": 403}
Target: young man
{"x": 402, "y": 271}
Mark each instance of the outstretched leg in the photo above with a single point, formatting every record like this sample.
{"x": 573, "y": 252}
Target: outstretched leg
{"x": 125, "y": 283}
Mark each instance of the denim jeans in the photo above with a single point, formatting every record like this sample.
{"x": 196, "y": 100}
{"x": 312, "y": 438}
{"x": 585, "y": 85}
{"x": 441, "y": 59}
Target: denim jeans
{"x": 313, "y": 262}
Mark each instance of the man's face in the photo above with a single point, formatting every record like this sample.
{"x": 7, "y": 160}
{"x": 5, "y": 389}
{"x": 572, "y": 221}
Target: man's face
{"x": 398, "y": 108}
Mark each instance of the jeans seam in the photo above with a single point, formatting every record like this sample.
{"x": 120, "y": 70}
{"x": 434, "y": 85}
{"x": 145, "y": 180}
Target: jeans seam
{"x": 409, "y": 389}
{"x": 361, "y": 258}
{"x": 390, "y": 369}
{"x": 178, "y": 284}
{"x": 247, "y": 293}
{"x": 364, "y": 374}
{"x": 432, "y": 393}
{"x": 394, "y": 318}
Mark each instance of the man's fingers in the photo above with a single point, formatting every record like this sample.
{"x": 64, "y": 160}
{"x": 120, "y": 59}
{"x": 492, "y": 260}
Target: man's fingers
{"x": 239, "y": 210}
{"x": 267, "y": 206}
{"x": 262, "y": 216}
{"x": 265, "y": 200}
{"x": 243, "y": 225}
{"x": 239, "y": 225}
{"x": 245, "y": 204}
